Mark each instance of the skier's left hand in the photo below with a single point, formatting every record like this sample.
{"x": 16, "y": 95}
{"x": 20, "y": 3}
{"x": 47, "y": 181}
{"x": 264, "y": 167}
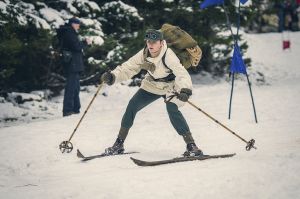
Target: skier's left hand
{"x": 184, "y": 94}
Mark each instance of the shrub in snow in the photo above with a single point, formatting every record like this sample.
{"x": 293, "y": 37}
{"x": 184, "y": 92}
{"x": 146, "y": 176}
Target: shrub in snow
{"x": 20, "y": 98}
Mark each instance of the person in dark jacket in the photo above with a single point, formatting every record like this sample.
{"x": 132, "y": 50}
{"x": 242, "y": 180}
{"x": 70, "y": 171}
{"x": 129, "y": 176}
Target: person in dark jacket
{"x": 72, "y": 51}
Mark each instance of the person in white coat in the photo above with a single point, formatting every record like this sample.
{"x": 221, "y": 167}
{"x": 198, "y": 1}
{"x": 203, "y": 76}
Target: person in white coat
{"x": 166, "y": 76}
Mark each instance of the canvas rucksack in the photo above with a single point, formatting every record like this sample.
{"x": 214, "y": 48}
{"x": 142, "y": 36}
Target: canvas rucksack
{"x": 59, "y": 35}
{"x": 64, "y": 54}
{"x": 182, "y": 44}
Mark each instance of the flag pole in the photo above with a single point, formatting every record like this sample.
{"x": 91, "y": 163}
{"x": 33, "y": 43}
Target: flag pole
{"x": 236, "y": 47}
{"x": 249, "y": 84}
{"x": 232, "y": 73}
{"x": 235, "y": 39}
{"x": 232, "y": 84}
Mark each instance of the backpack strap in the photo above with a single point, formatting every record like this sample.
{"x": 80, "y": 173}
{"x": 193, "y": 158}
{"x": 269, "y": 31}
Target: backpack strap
{"x": 164, "y": 61}
{"x": 168, "y": 78}
{"x": 163, "y": 58}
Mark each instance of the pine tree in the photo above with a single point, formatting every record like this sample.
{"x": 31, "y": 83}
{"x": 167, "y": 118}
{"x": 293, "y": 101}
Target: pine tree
{"x": 24, "y": 54}
{"x": 204, "y": 25}
{"x": 35, "y": 55}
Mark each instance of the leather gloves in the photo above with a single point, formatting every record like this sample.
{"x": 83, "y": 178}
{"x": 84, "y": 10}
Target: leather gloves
{"x": 184, "y": 94}
{"x": 108, "y": 78}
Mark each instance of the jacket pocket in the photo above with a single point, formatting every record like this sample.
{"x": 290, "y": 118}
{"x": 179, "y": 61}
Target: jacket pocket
{"x": 67, "y": 56}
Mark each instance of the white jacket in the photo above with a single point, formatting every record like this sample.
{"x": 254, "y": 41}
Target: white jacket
{"x": 133, "y": 66}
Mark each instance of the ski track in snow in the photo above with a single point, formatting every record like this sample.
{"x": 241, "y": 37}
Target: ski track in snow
{"x": 33, "y": 167}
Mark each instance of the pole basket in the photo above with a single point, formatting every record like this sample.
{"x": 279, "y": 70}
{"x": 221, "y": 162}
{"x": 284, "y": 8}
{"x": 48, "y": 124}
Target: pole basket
{"x": 250, "y": 145}
{"x": 66, "y": 146}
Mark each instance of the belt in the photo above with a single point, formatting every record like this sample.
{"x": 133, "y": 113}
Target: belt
{"x": 169, "y": 78}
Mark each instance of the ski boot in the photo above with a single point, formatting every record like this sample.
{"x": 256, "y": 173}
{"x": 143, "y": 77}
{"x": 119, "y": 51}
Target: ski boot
{"x": 192, "y": 150}
{"x": 117, "y": 148}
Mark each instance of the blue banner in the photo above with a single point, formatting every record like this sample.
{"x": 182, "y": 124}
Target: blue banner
{"x": 207, "y": 3}
{"x": 243, "y": 1}
{"x": 237, "y": 62}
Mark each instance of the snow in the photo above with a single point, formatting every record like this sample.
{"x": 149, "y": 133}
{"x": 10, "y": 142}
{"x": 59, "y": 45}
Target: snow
{"x": 125, "y": 7}
{"x": 3, "y": 7}
{"x": 24, "y": 96}
{"x": 93, "y": 5}
{"x": 96, "y": 40}
{"x": 26, "y": 107}
{"x": 92, "y": 60}
{"x": 96, "y": 33}
{"x": 52, "y": 16}
{"x": 49, "y": 18}
{"x": 70, "y": 6}
{"x": 83, "y": 4}
{"x": 39, "y": 22}
{"x": 33, "y": 167}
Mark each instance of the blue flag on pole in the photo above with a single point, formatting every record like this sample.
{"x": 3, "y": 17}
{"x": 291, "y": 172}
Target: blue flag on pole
{"x": 207, "y": 3}
{"x": 237, "y": 62}
{"x": 243, "y": 1}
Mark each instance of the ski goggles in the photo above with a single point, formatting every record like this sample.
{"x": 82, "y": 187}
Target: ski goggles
{"x": 153, "y": 35}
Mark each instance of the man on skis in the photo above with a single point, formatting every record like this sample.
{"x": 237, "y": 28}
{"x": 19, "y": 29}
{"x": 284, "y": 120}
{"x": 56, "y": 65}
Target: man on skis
{"x": 166, "y": 76}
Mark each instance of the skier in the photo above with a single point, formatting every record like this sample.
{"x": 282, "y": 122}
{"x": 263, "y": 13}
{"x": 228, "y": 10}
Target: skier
{"x": 165, "y": 76}
{"x": 72, "y": 48}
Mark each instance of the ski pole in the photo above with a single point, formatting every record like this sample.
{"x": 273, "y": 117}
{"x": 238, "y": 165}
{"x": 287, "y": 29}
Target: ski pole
{"x": 67, "y": 146}
{"x": 250, "y": 144}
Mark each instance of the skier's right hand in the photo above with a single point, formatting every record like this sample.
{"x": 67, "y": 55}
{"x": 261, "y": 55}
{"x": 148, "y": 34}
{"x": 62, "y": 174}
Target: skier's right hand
{"x": 184, "y": 94}
{"x": 108, "y": 78}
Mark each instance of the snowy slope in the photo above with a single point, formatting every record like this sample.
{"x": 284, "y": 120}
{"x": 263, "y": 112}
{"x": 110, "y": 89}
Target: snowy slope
{"x": 33, "y": 167}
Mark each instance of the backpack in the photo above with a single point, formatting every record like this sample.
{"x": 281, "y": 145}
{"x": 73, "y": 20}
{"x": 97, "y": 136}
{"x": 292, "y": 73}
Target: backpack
{"x": 65, "y": 54}
{"x": 182, "y": 44}
{"x": 59, "y": 36}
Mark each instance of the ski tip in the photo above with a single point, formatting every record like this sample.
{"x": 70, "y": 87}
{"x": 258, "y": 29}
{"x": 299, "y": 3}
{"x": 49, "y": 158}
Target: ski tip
{"x": 79, "y": 154}
{"x": 133, "y": 159}
{"x": 224, "y": 155}
{"x": 137, "y": 162}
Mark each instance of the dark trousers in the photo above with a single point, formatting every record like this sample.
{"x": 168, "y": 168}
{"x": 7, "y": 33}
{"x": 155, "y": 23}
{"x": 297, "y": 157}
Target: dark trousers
{"x": 71, "y": 96}
{"x": 141, "y": 99}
